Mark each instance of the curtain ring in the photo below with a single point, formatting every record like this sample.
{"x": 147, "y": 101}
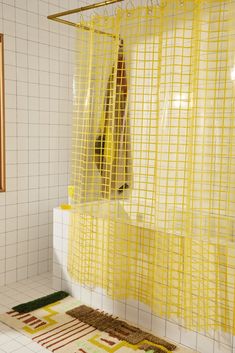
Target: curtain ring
{"x": 81, "y": 18}
{"x": 132, "y": 6}
{"x": 181, "y": 2}
{"x": 161, "y": 3}
{"x": 117, "y": 9}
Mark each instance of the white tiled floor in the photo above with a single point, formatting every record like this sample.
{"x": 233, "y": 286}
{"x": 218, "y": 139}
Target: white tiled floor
{"x": 16, "y": 293}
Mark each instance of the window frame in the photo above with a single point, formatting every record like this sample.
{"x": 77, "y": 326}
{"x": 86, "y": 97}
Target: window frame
{"x": 2, "y": 119}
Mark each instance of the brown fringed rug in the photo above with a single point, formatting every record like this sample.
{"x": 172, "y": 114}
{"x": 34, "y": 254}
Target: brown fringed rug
{"x": 66, "y": 326}
{"x": 119, "y": 329}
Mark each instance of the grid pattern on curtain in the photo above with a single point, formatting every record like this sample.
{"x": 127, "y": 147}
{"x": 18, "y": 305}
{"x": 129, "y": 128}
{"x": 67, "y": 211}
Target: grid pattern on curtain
{"x": 153, "y": 164}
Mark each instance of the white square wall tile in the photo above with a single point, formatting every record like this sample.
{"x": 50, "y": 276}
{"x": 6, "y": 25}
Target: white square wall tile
{"x": 76, "y": 291}
{"x": 224, "y": 338}
{"x": 222, "y": 348}
{"x": 11, "y": 264}
{"x": 10, "y": 276}
{"x": 173, "y": 331}
{"x": 85, "y": 295}
{"x": 158, "y": 325}
{"x": 145, "y": 320}
{"x": 119, "y": 309}
{"x": 57, "y": 284}
{"x": 43, "y": 266}
{"x": 108, "y": 304}
{"x": 96, "y": 300}
{"x": 66, "y": 286}
{"x": 11, "y": 250}
{"x": 66, "y": 217}
{"x": 57, "y": 216}
{"x": 188, "y": 338}
{"x": 2, "y": 280}
{"x": 132, "y": 314}
{"x": 22, "y": 273}
{"x": 204, "y": 344}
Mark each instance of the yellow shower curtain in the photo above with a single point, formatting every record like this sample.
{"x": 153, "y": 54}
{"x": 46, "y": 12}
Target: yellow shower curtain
{"x": 170, "y": 242}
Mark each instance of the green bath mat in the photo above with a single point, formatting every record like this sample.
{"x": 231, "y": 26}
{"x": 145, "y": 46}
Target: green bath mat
{"x": 40, "y": 302}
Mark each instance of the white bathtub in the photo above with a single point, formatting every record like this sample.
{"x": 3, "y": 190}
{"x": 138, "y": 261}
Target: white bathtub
{"x": 130, "y": 310}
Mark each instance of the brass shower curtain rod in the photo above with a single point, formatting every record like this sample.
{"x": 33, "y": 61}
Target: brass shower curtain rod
{"x": 56, "y": 16}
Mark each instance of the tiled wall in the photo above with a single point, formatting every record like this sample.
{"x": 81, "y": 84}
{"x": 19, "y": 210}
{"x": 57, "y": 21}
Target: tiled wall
{"x": 39, "y": 58}
{"x": 38, "y": 86}
{"x": 134, "y": 312}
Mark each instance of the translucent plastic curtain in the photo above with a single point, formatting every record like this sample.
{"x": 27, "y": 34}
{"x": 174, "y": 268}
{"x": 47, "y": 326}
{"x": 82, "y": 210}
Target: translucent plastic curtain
{"x": 154, "y": 128}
